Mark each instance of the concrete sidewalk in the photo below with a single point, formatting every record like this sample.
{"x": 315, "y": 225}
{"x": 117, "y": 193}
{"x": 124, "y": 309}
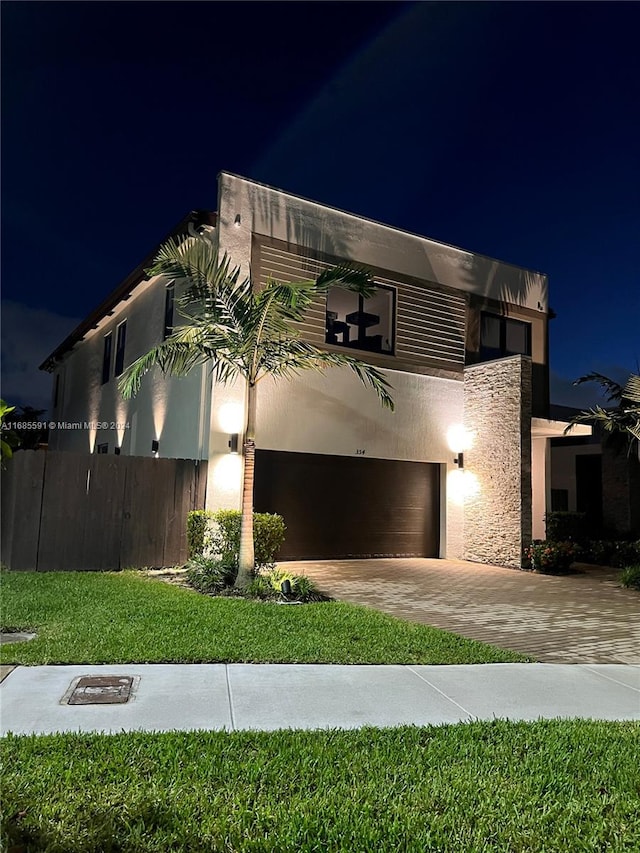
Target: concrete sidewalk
{"x": 280, "y": 696}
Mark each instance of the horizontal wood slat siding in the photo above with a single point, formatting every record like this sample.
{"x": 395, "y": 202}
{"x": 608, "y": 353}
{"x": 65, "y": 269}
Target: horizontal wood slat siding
{"x": 430, "y": 320}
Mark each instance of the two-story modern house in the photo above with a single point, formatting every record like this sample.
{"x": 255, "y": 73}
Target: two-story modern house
{"x": 462, "y": 338}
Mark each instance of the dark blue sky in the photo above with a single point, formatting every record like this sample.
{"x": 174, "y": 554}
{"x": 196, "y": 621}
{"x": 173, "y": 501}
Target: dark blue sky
{"x": 509, "y": 129}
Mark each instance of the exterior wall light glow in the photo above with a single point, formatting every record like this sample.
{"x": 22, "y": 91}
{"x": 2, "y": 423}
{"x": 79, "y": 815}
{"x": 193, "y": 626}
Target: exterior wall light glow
{"x": 233, "y": 442}
{"x": 459, "y": 439}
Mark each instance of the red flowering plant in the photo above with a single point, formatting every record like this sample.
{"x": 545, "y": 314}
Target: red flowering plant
{"x": 547, "y": 556}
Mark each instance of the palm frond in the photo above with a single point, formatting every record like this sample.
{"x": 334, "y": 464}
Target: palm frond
{"x": 612, "y": 389}
{"x": 186, "y": 348}
{"x": 192, "y": 258}
{"x": 347, "y": 276}
{"x": 289, "y": 358}
{"x": 631, "y": 390}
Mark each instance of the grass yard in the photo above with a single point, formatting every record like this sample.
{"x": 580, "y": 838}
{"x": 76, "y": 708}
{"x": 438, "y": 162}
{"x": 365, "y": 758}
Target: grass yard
{"x": 554, "y": 786}
{"x": 126, "y": 617}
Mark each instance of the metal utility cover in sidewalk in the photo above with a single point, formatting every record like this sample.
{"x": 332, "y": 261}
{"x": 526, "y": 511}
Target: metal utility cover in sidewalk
{"x": 100, "y": 690}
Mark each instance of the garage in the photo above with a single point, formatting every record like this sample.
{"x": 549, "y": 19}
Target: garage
{"x": 350, "y": 507}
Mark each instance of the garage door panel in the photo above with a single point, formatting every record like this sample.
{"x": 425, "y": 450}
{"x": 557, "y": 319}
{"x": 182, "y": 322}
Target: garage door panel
{"x": 342, "y": 506}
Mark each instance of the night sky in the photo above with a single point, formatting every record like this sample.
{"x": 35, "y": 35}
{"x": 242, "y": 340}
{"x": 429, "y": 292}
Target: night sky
{"x": 508, "y": 129}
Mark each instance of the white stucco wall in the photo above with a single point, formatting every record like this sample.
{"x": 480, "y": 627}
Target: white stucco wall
{"x": 334, "y": 414}
{"x": 540, "y": 487}
{"x": 174, "y": 411}
{"x": 270, "y": 212}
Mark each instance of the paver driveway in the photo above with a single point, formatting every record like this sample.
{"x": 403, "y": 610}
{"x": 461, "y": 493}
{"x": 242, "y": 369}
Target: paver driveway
{"x": 579, "y": 618}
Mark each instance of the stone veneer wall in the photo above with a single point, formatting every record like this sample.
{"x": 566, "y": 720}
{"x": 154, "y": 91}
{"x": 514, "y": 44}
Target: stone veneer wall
{"x": 497, "y": 412}
{"x": 621, "y": 490}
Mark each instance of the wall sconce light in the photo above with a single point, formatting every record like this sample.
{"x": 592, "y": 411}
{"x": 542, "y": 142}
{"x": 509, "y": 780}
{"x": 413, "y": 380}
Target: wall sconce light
{"x": 237, "y": 220}
{"x": 155, "y": 446}
{"x": 459, "y": 460}
{"x": 233, "y": 442}
{"x": 116, "y": 450}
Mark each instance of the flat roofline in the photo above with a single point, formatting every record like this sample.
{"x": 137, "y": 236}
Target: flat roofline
{"x": 381, "y": 224}
{"x": 124, "y": 289}
{"x": 542, "y": 427}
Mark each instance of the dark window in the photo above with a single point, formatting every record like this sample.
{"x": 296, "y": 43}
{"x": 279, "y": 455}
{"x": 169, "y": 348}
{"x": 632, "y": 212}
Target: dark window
{"x": 502, "y": 336}
{"x": 102, "y": 448}
{"x": 168, "y": 311}
{"x": 120, "y": 344}
{"x": 106, "y": 358}
{"x": 359, "y": 323}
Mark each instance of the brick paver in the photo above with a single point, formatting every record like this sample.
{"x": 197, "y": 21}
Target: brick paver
{"x": 585, "y": 617}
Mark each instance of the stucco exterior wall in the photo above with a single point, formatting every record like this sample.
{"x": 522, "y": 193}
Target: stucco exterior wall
{"x": 497, "y": 412}
{"x": 245, "y": 207}
{"x": 332, "y": 413}
{"x": 174, "y": 411}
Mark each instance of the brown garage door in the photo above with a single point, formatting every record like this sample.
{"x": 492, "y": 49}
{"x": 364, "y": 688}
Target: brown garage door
{"x": 344, "y": 506}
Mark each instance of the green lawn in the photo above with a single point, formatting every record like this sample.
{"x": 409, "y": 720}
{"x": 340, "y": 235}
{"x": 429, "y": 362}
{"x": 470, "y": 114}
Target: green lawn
{"x": 552, "y": 787}
{"x": 126, "y": 617}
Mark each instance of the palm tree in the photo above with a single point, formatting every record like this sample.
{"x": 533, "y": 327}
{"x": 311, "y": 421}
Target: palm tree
{"x": 242, "y": 331}
{"x": 623, "y": 418}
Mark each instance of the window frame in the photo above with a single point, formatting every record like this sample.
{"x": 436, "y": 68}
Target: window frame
{"x": 169, "y": 309}
{"x": 121, "y": 343}
{"x": 361, "y": 306}
{"x": 107, "y": 353}
{"x": 488, "y": 353}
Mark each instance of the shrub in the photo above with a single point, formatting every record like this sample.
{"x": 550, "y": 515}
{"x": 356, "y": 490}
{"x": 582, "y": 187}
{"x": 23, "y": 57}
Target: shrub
{"x": 268, "y": 536}
{"x": 566, "y": 526}
{"x": 218, "y": 533}
{"x": 630, "y": 577}
{"x": 198, "y": 522}
{"x": 210, "y": 575}
{"x": 268, "y": 586}
{"x": 549, "y": 557}
{"x": 604, "y": 552}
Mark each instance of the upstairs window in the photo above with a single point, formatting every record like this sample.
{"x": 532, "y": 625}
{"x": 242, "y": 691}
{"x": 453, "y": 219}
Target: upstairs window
{"x": 359, "y": 323}
{"x": 121, "y": 337}
{"x": 503, "y": 336}
{"x": 168, "y": 310}
{"x": 106, "y": 357}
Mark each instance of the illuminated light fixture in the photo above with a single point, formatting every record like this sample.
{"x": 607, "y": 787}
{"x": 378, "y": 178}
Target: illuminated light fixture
{"x": 233, "y": 442}
{"x": 117, "y": 450}
{"x": 155, "y": 447}
{"x": 459, "y": 460}
{"x": 237, "y": 220}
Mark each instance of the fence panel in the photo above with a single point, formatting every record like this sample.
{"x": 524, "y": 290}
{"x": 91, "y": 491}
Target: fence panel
{"x": 75, "y": 512}
{"x": 21, "y": 509}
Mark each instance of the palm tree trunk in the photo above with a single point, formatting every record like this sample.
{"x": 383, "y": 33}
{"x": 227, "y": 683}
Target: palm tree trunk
{"x": 246, "y": 560}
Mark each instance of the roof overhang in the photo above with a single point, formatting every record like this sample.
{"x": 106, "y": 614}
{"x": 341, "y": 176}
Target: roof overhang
{"x": 543, "y": 428}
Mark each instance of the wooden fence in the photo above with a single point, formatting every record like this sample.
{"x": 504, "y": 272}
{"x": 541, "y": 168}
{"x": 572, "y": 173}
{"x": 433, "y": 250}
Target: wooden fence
{"x": 69, "y": 511}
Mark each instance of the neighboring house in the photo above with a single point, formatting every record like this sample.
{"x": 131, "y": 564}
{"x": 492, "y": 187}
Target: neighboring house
{"x": 463, "y": 339}
{"x": 596, "y": 477}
